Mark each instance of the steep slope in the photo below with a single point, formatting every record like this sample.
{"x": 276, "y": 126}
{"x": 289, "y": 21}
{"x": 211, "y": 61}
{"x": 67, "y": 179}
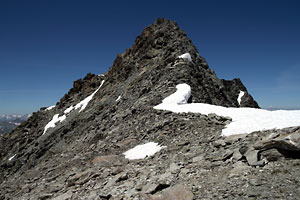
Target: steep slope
{"x": 75, "y": 149}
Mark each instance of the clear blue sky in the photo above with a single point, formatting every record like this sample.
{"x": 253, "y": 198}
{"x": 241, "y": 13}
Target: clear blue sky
{"x": 47, "y": 44}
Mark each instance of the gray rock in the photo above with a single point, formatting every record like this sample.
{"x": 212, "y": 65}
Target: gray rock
{"x": 272, "y": 155}
{"x": 253, "y": 193}
{"x": 239, "y": 168}
{"x": 243, "y": 149}
{"x": 173, "y": 167}
{"x": 198, "y": 158}
{"x": 104, "y": 196}
{"x": 177, "y": 192}
{"x": 45, "y": 196}
{"x": 65, "y": 196}
{"x": 233, "y": 138}
{"x": 219, "y": 143}
{"x": 252, "y": 157}
{"x": 227, "y": 154}
{"x": 280, "y": 144}
{"x": 236, "y": 155}
{"x": 108, "y": 160}
{"x": 153, "y": 188}
{"x": 121, "y": 177}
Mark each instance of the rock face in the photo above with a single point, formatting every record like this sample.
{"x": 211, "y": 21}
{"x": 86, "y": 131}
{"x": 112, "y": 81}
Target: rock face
{"x": 80, "y": 155}
{"x": 152, "y": 67}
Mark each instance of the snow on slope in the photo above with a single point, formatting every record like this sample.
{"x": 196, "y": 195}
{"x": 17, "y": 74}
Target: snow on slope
{"x": 244, "y": 120}
{"x": 12, "y": 157}
{"x": 50, "y": 107}
{"x": 186, "y": 56}
{"x": 82, "y": 105}
{"x": 239, "y": 99}
{"x": 142, "y": 151}
{"x": 118, "y": 99}
{"x": 181, "y": 96}
{"x": 69, "y": 109}
{"x": 52, "y": 123}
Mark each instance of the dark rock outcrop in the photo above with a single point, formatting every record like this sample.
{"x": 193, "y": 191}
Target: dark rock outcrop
{"x": 81, "y": 157}
{"x": 233, "y": 89}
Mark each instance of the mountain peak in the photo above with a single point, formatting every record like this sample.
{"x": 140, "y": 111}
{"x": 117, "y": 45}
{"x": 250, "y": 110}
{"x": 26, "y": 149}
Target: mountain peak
{"x": 85, "y": 135}
{"x": 165, "y": 38}
{"x": 159, "y": 44}
{"x": 164, "y": 53}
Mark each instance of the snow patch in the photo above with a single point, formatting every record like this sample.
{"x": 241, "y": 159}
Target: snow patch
{"x": 69, "y": 109}
{"x": 181, "y": 95}
{"x": 82, "y": 105}
{"x": 50, "y": 107}
{"x": 244, "y": 120}
{"x": 118, "y": 99}
{"x": 186, "y": 56}
{"x": 142, "y": 151}
{"x": 239, "y": 99}
{"x": 12, "y": 157}
{"x": 54, "y": 121}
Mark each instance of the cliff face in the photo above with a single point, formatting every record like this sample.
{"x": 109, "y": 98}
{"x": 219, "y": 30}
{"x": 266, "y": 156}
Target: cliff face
{"x": 75, "y": 149}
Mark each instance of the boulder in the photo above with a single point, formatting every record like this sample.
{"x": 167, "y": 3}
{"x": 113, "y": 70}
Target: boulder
{"x": 177, "y": 192}
{"x": 287, "y": 143}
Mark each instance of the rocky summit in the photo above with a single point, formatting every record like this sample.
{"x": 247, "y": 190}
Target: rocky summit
{"x": 82, "y": 147}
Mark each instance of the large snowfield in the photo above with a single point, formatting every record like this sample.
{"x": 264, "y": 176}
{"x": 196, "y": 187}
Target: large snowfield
{"x": 244, "y": 120}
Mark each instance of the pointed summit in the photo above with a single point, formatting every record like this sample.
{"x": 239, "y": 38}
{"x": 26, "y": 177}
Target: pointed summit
{"x": 164, "y": 37}
{"x": 164, "y": 54}
{"x": 159, "y": 43}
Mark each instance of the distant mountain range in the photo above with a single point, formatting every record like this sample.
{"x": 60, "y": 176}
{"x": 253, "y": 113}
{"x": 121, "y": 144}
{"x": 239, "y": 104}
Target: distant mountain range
{"x": 9, "y": 122}
{"x": 280, "y": 108}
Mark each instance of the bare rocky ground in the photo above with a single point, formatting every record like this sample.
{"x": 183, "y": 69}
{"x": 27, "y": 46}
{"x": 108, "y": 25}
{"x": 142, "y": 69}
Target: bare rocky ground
{"x": 195, "y": 156}
{"x": 82, "y": 156}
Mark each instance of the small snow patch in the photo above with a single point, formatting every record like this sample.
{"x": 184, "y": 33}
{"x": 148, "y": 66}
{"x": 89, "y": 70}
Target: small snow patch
{"x": 53, "y": 122}
{"x": 181, "y": 95}
{"x": 69, "y": 109}
{"x": 186, "y": 56}
{"x": 12, "y": 157}
{"x": 142, "y": 151}
{"x": 118, "y": 99}
{"x": 82, "y": 105}
{"x": 239, "y": 99}
{"x": 50, "y": 107}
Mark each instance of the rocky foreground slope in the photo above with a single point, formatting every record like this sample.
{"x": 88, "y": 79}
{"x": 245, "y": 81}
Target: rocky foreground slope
{"x": 75, "y": 149}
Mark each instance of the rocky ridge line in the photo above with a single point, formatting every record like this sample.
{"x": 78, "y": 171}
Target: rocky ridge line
{"x": 82, "y": 156}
